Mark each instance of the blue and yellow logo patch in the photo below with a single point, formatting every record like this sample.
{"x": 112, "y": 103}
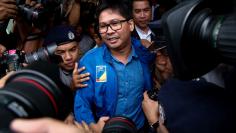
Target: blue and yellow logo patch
{"x": 101, "y": 74}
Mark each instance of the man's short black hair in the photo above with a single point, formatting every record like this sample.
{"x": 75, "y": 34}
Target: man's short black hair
{"x": 149, "y": 1}
{"x": 124, "y": 7}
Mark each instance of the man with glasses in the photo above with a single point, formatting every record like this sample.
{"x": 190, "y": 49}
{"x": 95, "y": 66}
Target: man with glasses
{"x": 119, "y": 72}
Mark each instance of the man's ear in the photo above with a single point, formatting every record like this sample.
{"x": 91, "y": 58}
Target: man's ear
{"x": 131, "y": 24}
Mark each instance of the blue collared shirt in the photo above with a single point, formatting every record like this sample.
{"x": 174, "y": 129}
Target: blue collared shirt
{"x": 100, "y": 98}
{"x": 130, "y": 89}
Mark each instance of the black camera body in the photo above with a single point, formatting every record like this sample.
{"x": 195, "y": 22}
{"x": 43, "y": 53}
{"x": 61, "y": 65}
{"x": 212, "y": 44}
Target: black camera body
{"x": 39, "y": 16}
{"x": 11, "y": 60}
{"x": 153, "y": 94}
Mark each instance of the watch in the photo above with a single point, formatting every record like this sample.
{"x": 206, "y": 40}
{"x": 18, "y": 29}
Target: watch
{"x": 155, "y": 125}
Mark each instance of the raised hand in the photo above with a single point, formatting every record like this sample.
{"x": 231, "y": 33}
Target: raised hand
{"x": 97, "y": 128}
{"x": 150, "y": 108}
{"x": 78, "y": 78}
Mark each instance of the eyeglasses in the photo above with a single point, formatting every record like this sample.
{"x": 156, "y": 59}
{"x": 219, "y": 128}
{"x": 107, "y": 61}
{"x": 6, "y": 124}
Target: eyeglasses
{"x": 114, "y": 25}
{"x": 162, "y": 49}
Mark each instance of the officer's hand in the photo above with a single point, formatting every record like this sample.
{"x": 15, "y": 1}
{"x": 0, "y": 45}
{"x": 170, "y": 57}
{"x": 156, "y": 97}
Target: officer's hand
{"x": 78, "y": 78}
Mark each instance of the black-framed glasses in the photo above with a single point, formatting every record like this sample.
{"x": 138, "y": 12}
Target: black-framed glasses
{"x": 162, "y": 49}
{"x": 114, "y": 25}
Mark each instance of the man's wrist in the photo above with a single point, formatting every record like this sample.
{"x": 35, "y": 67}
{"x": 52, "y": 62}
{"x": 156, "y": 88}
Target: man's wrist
{"x": 152, "y": 120}
{"x": 155, "y": 125}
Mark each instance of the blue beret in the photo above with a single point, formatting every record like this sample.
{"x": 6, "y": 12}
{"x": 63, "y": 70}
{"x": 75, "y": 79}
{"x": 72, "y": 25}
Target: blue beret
{"x": 60, "y": 35}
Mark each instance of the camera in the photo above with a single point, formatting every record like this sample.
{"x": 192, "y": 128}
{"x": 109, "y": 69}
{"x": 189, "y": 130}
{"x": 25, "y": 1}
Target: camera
{"x": 153, "y": 94}
{"x": 201, "y": 34}
{"x": 119, "y": 124}
{"x": 44, "y": 54}
{"x": 12, "y": 60}
{"x": 38, "y": 16}
{"x": 33, "y": 92}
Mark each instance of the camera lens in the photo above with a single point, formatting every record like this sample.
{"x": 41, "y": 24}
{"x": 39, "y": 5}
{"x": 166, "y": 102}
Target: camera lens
{"x": 44, "y": 54}
{"x": 34, "y": 92}
{"x": 119, "y": 124}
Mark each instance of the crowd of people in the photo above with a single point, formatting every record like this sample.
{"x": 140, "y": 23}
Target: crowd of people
{"x": 111, "y": 60}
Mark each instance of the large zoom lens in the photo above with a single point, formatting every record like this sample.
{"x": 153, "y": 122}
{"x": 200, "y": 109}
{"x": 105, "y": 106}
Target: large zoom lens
{"x": 36, "y": 91}
{"x": 43, "y": 54}
{"x": 202, "y": 36}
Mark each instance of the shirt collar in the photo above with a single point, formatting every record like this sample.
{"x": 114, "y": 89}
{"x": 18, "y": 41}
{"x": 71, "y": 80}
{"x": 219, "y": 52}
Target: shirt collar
{"x": 139, "y": 31}
{"x": 108, "y": 57}
{"x": 132, "y": 54}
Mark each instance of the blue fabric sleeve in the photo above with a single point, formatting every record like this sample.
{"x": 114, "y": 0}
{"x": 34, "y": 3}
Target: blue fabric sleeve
{"x": 84, "y": 100}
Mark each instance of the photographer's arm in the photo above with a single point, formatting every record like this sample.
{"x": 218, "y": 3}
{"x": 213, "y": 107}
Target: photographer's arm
{"x": 151, "y": 109}
{"x": 30, "y": 37}
{"x": 46, "y": 125}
